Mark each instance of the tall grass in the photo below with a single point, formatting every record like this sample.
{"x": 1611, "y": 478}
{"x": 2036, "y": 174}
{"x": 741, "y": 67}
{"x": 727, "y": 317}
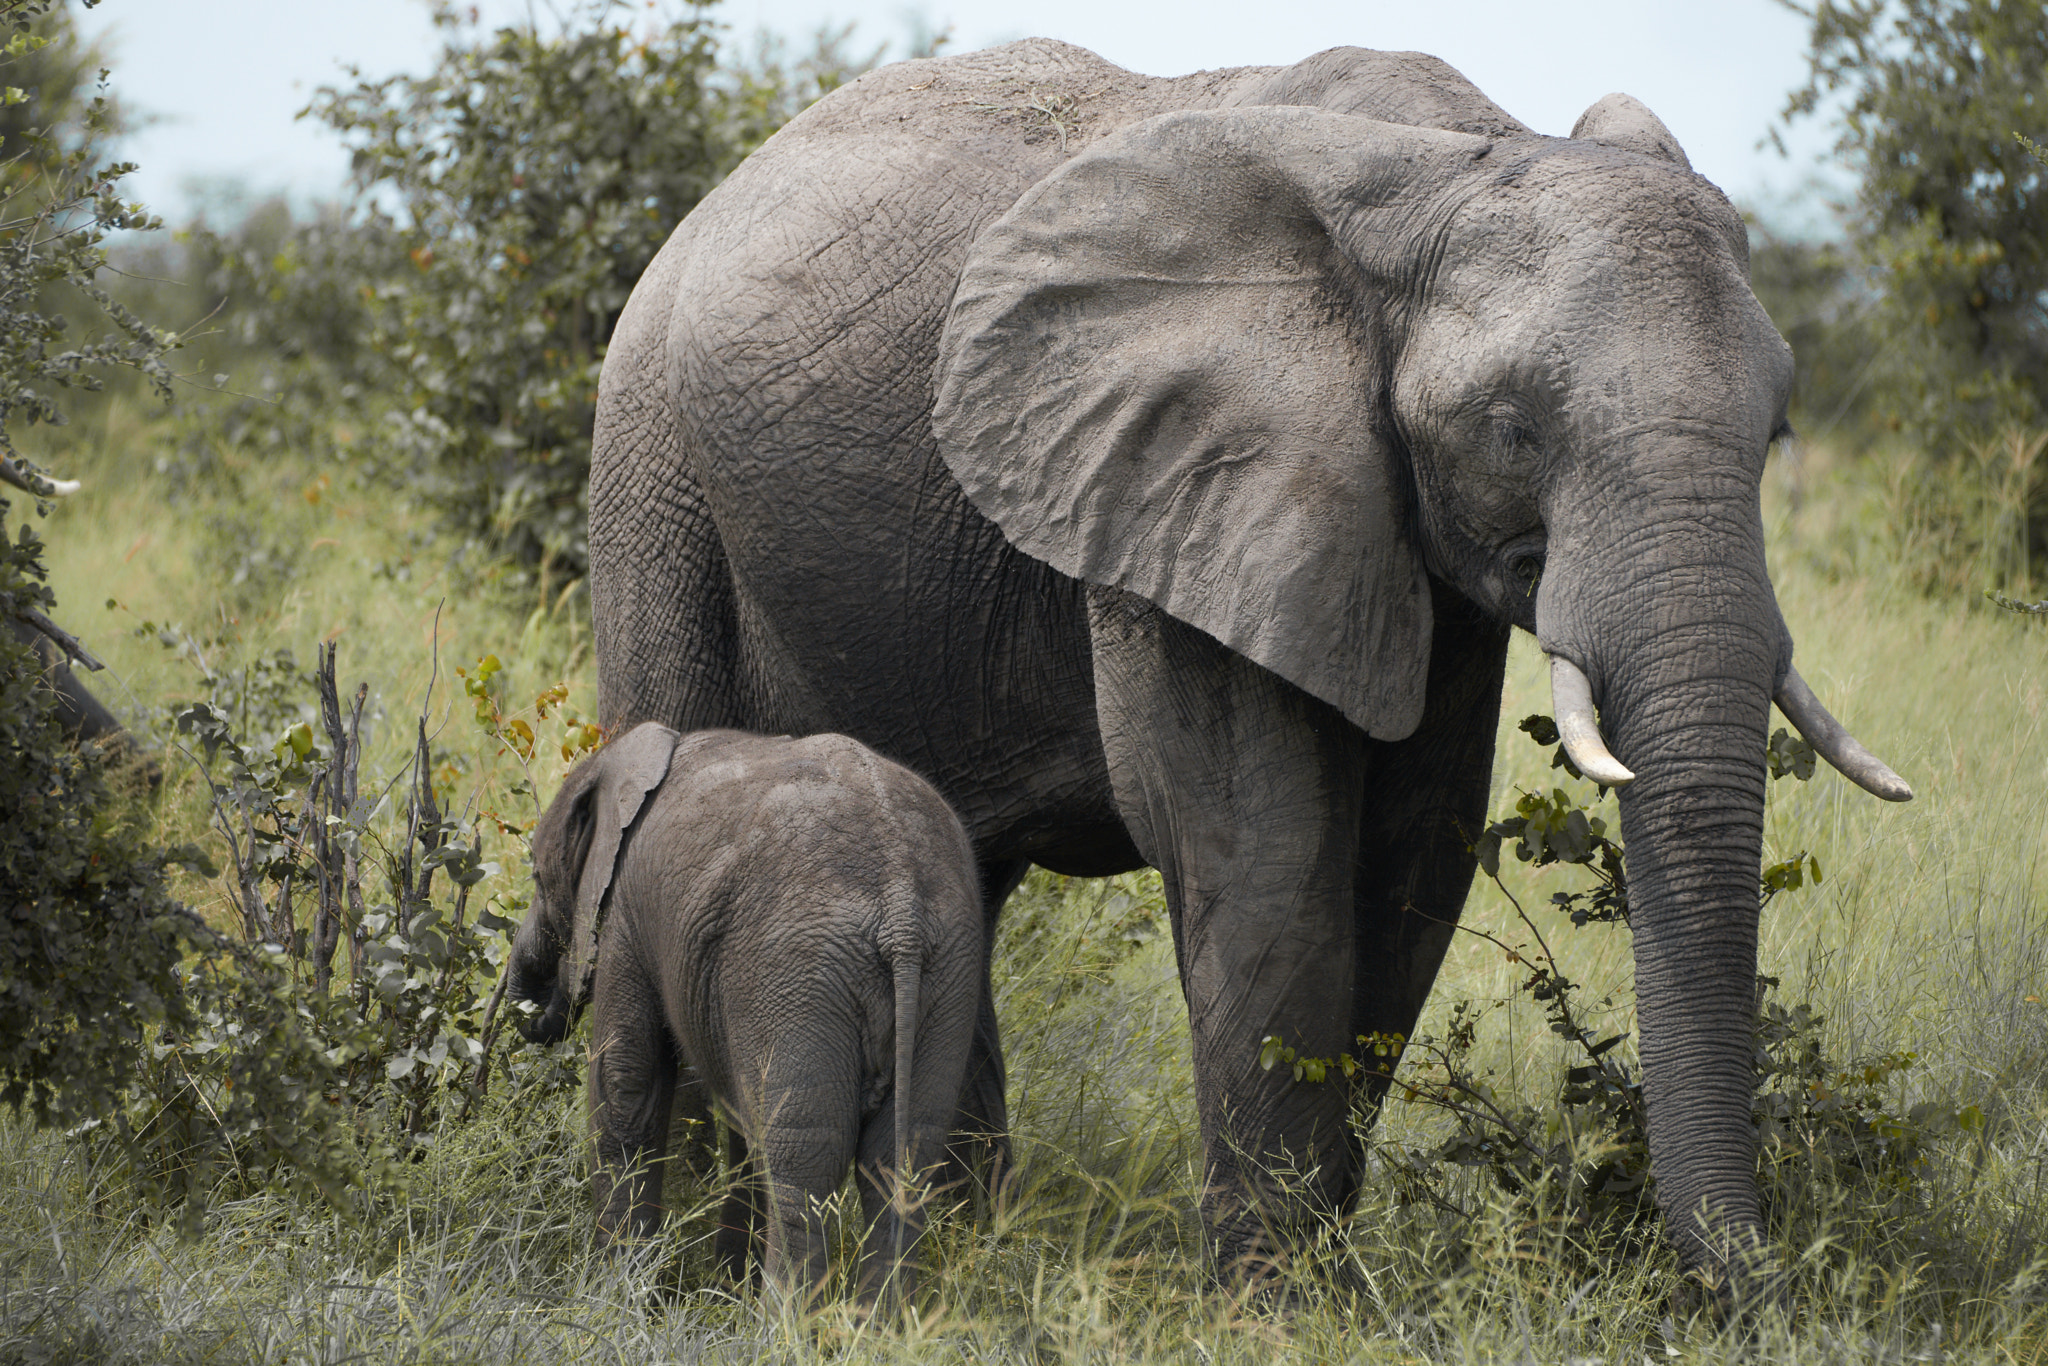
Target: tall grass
{"x": 1927, "y": 936}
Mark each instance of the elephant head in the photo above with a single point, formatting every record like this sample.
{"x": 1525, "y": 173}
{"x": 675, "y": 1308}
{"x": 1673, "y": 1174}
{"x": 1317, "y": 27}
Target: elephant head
{"x": 1288, "y": 373}
{"x": 576, "y": 848}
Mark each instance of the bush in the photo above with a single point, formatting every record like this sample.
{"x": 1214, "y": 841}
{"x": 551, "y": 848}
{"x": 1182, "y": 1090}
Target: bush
{"x": 1950, "y": 202}
{"x": 91, "y": 938}
{"x": 103, "y": 976}
{"x": 455, "y": 320}
{"x": 1927, "y": 321}
{"x": 1572, "y": 1166}
{"x": 319, "y": 865}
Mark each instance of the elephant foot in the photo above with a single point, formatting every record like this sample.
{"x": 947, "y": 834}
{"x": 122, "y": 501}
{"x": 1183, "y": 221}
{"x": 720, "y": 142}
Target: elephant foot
{"x": 977, "y": 1173}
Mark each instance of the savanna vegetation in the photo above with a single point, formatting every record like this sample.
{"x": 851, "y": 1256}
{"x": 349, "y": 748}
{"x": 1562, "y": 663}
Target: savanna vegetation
{"x": 265, "y": 1103}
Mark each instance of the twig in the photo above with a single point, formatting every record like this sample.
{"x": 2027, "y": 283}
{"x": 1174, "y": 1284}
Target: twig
{"x": 351, "y": 860}
{"x": 480, "y": 1079}
{"x": 63, "y": 639}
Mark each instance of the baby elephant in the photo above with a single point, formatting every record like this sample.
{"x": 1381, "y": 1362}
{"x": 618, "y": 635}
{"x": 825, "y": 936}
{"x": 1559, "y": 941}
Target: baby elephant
{"x": 797, "y": 920}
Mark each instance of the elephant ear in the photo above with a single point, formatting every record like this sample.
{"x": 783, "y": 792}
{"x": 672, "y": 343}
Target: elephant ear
{"x": 1164, "y": 371}
{"x": 633, "y": 766}
{"x": 1626, "y": 122}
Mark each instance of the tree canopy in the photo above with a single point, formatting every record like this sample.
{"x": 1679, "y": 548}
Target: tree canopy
{"x": 1950, "y": 207}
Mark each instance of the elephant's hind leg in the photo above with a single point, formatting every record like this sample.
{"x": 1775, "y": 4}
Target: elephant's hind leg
{"x": 661, "y": 591}
{"x": 803, "y": 1125}
{"x": 978, "y": 1151}
{"x": 739, "y": 1221}
{"x": 896, "y": 1189}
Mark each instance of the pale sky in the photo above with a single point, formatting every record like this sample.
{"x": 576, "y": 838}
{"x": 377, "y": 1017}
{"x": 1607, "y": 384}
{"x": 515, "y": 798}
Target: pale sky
{"x": 224, "y": 78}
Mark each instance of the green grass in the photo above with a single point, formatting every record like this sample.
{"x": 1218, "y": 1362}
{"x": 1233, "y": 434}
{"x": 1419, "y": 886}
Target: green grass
{"x": 1928, "y": 935}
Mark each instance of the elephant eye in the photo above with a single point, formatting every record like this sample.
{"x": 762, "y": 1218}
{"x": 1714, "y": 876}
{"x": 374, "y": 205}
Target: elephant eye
{"x": 1515, "y": 439}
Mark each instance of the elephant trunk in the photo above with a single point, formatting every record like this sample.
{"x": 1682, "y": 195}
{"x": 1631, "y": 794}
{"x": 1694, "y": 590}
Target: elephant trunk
{"x": 1683, "y": 651}
{"x": 1693, "y": 828}
{"x": 536, "y": 978}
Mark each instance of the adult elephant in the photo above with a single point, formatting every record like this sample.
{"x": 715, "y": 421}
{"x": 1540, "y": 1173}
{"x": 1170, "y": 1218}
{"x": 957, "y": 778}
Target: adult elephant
{"x": 1159, "y": 466}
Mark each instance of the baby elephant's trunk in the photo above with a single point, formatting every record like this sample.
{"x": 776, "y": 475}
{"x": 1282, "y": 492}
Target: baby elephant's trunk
{"x": 537, "y": 979}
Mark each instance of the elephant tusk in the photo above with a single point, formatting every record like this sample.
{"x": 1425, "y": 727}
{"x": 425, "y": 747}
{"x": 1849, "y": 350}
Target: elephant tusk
{"x": 1572, "y": 697}
{"x": 1835, "y": 744}
{"x": 11, "y": 473}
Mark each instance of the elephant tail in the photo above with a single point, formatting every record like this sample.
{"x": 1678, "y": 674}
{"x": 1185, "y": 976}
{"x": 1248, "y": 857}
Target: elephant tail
{"x": 908, "y": 961}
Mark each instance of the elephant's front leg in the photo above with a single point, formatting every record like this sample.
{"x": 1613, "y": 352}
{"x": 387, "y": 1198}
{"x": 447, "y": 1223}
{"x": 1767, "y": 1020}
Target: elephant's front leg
{"x": 632, "y": 1084}
{"x": 1245, "y": 793}
{"x": 1425, "y": 805}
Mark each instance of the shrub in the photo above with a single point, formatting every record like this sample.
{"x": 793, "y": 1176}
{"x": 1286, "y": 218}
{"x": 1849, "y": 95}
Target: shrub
{"x": 108, "y": 987}
{"x": 364, "y": 910}
{"x": 1574, "y": 1163}
{"x": 455, "y": 319}
{"x": 1950, "y": 203}
{"x": 91, "y": 938}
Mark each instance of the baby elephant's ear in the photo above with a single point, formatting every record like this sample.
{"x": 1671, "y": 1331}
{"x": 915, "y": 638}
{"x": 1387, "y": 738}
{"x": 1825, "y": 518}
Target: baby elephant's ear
{"x": 632, "y": 767}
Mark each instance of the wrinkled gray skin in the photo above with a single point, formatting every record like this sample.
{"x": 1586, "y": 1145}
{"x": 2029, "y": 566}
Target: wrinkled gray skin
{"x": 797, "y": 921}
{"x": 1161, "y": 475}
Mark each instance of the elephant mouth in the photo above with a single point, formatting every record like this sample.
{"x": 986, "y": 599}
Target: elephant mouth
{"x": 1521, "y": 562}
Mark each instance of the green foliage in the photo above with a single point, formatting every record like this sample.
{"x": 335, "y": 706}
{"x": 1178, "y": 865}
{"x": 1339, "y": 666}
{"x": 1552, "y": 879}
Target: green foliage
{"x": 2033, "y": 609}
{"x": 58, "y": 204}
{"x": 318, "y": 865}
{"x": 1932, "y": 92}
{"x": 1928, "y": 320}
{"x": 110, "y": 991}
{"x": 122, "y": 1016}
{"x": 46, "y": 80}
{"x": 91, "y": 940}
{"x": 1577, "y": 1160}
{"x": 1822, "y": 1121}
{"x": 507, "y": 203}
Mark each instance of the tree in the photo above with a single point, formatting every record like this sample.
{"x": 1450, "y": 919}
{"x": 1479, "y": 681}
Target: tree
{"x": 58, "y": 203}
{"x": 521, "y": 188}
{"x": 1950, "y": 232}
{"x": 96, "y": 958}
{"x": 90, "y": 937}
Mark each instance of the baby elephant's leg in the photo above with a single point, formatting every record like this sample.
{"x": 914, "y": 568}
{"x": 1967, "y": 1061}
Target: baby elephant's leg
{"x": 632, "y": 1082}
{"x": 892, "y": 1208}
{"x": 896, "y": 1189}
{"x": 810, "y": 1123}
{"x": 739, "y": 1223}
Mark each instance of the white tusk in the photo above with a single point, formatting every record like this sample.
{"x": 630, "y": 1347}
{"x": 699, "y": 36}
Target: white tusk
{"x": 63, "y": 488}
{"x": 1835, "y": 744}
{"x": 1572, "y": 698}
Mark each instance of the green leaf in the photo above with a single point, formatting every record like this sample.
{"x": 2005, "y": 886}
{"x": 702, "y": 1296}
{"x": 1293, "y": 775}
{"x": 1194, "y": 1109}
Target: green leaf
{"x": 1270, "y": 1049}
